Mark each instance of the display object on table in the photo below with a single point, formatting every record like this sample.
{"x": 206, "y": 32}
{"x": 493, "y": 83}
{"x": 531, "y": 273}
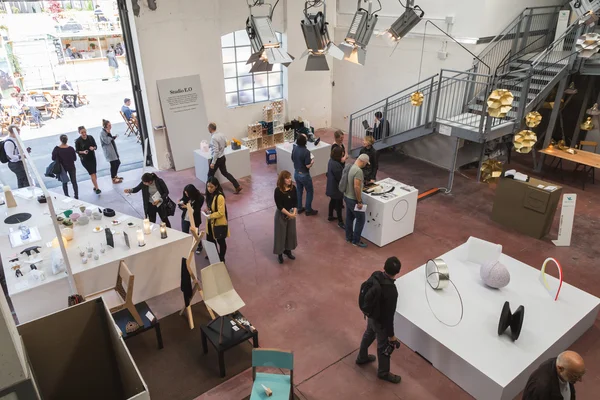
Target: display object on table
{"x": 83, "y": 220}
{"x": 140, "y": 238}
{"x": 163, "y": 230}
{"x": 533, "y": 119}
{"x": 126, "y": 238}
{"x": 10, "y": 198}
{"x": 147, "y": 227}
{"x": 204, "y": 147}
{"x": 482, "y": 252}
{"x": 494, "y": 274}
{"x": 68, "y": 233}
{"x": 553, "y": 290}
{"x": 491, "y": 170}
{"x": 110, "y": 240}
{"x": 236, "y": 144}
{"x": 97, "y": 215}
{"x": 524, "y": 141}
{"x": 512, "y": 320}
{"x": 58, "y": 263}
{"x": 437, "y": 274}
{"x": 75, "y": 216}
{"x": 500, "y": 103}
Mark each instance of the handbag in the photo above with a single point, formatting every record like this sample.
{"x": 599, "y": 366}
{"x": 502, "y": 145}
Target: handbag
{"x": 220, "y": 231}
{"x": 170, "y": 207}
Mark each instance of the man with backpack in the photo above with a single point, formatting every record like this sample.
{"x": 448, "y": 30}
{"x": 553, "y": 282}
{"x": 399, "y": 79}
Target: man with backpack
{"x": 9, "y": 153}
{"x": 377, "y": 300}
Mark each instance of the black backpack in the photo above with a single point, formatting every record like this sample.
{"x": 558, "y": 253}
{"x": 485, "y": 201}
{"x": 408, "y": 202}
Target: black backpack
{"x": 370, "y": 297}
{"x": 3, "y": 156}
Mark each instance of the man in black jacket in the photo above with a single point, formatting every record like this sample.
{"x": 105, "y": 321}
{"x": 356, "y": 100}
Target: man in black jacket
{"x": 155, "y": 194}
{"x": 555, "y": 379}
{"x": 382, "y": 327}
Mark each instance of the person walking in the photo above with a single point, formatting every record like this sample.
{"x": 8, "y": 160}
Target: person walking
{"x": 285, "y": 239}
{"x": 335, "y": 168}
{"x": 86, "y": 147}
{"x": 113, "y": 64}
{"x": 217, "y": 226}
{"x": 66, "y": 157}
{"x": 370, "y": 170}
{"x": 303, "y": 161}
{"x": 107, "y": 140}
{"x": 353, "y": 200}
{"x": 555, "y": 378}
{"x": 15, "y": 158}
{"x": 378, "y": 300}
{"x": 218, "y": 143}
{"x": 155, "y": 195}
{"x": 192, "y": 196}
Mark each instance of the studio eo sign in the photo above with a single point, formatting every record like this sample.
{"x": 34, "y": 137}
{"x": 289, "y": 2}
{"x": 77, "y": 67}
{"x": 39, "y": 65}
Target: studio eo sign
{"x": 184, "y": 90}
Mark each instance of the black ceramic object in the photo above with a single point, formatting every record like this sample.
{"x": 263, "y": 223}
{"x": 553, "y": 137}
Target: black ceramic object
{"x": 514, "y": 321}
{"x": 17, "y": 218}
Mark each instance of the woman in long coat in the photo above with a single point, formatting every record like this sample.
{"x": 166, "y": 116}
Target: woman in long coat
{"x": 110, "y": 150}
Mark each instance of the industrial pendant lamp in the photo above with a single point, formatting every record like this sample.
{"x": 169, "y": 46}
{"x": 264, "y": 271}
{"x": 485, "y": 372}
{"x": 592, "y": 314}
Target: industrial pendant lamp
{"x": 587, "y": 125}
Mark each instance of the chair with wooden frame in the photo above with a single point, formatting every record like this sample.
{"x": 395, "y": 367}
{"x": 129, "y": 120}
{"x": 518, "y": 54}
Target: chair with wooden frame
{"x": 119, "y": 297}
{"x": 280, "y": 386}
{"x": 587, "y": 171}
{"x": 196, "y": 288}
{"x": 54, "y": 107}
{"x": 130, "y": 127}
{"x": 82, "y": 99}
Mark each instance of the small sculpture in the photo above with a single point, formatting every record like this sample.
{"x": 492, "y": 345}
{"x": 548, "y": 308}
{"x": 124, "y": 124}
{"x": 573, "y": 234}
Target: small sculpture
{"x": 514, "y": 321}
{"x": 494, "y": 274}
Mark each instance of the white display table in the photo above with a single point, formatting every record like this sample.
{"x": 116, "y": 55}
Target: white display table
{"x": 156, "y": 270}
{"x": 486, "y": 365}
{"x": 238, "y": 164}
{"x": 390, "y": 216}
{"x": 321, "y": 155}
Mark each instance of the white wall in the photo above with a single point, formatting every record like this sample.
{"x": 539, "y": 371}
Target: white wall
{"x": 183, "y": 37}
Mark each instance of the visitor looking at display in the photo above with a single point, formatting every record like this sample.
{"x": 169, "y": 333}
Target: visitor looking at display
{"x": 14, "y": 156}
{"x": 353, "y": 200}
{"x": 339, "y": 142}
{"x": 192, "y": 196}
{"x": 556, "y": 378}
{"x": 110, "y": 150}
{"x": 285, "y": 239}
{"x": 370, "y": 170}
{"x": 217, "y": 226}
{"x": 85, "y": 146}
{"x": 218, "y": 143}
{"x": 378, "y": 300}
{"x": 335, "y": 167}
{"x": 155, "y": 196}
{"x": 66, "y": 156}
{"x": 303, "y": 161}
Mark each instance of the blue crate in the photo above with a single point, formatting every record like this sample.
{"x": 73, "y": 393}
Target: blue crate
{"x": 271, "y": 155}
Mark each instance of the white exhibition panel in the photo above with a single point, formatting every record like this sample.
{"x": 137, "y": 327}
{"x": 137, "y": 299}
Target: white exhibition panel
{"x": 184, "y": 111}
{"x": 321, "y": 153}
{"x": 156, "y": 270}
{"x": 486, "y": 365}
{"x": 391, "y": 217}
{"x": 238, "y": 164}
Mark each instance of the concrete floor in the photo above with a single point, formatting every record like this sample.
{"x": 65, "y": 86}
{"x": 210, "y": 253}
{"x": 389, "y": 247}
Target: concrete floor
{"x": 310, "y": 305}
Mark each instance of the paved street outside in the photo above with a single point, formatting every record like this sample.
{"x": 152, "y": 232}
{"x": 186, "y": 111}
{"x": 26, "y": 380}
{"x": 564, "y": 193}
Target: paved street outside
{"x": 106, "y": 99}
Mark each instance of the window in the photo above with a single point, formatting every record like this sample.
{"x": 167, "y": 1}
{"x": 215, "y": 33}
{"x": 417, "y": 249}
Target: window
{"x": 241, "y": 86}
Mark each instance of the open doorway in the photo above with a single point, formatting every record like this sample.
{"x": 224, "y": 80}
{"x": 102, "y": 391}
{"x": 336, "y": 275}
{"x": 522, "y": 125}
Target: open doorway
{"x": 65, "y": 64}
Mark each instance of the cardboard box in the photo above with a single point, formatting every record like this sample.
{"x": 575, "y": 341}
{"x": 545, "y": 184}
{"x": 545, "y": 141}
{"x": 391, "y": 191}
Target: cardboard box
{"x": 525, "y": 206}
{"x": 78, "y": 353}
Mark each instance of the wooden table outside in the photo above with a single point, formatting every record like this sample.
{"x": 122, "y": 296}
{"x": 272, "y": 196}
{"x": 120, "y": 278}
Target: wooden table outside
{"x": 587, "y": 159}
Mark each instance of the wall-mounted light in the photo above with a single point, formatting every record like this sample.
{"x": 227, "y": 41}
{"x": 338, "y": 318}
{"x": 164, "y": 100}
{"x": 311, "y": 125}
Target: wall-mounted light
{"x": 316, "y": 35}
{"x": 266, "y": 48}
{"x": 406, "y": 22}
{"x": 359, "y": 34}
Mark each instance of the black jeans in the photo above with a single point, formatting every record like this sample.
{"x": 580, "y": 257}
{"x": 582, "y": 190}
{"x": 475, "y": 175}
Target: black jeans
{"x": 221, "y": 165}
{"x": 152, "y": 210}
{"x": 222, "y": 244}
{"x": 114, "y": 168}
{"x": 19, "y": 170}
{"x": 375, "y": 331}
{"x": 336, "y": 204}
{"x": 185, "y": 228}
{"x": 73, "y": 177}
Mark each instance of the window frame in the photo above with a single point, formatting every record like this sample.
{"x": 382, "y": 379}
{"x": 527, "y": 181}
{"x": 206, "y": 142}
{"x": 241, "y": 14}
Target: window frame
{"x": 255, "y": 86}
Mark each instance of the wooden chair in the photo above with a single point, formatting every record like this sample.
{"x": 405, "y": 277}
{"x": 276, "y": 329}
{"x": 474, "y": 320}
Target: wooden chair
{"x": 196, "y": 287}
{"x": 587, "y": 171}
{"x": 54, "y": 108}
{"x": 128, "y": 132}
{"x": 82, "y": 98}
{"x": 119, "y": 297}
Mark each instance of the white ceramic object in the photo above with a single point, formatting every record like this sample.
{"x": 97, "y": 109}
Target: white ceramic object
{"x": 83, "y": 220}
{"x": 84, "y": 260}
{"x": 482, "y": 252}
{"x": 68, "y": 233}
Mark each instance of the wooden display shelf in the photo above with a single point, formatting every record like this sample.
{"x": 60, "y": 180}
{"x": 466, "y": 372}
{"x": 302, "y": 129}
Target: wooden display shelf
{"x": 267, "y": 141}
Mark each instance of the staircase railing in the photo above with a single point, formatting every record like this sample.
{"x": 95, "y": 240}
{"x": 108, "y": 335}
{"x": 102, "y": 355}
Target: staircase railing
{"x": 398, "y": 110}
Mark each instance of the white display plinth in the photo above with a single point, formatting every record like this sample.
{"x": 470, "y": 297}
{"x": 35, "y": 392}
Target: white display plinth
{"x": 156, "y": 270}
{"x": 321, "y": 155}
{"x": 238, "y": 164}
{"x": 391, "y": 216}
{"x": 486, "y": 365}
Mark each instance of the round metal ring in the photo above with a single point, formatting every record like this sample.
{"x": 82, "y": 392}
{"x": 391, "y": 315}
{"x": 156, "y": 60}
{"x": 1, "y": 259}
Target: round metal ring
{"x": 437, "y": 273}
{"x": 462, "y": 307}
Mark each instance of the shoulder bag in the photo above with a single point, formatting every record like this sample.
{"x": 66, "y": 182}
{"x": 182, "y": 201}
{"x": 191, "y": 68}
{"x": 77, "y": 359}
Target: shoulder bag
{"x": 220, "y": 231}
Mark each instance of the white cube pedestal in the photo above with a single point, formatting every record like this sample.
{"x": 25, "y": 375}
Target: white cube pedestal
{"x": 390, "y": 217}
{"x": 238, "y": 164}
{"x": 321, "y": 155}
{"x": 486, "y": 365}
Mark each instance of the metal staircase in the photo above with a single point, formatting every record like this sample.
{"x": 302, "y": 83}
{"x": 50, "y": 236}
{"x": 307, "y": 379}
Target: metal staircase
{"x": 525, "y": 59}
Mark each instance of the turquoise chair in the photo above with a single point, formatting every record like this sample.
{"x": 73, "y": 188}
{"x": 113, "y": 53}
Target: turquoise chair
{"x": 281, "y": 385}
